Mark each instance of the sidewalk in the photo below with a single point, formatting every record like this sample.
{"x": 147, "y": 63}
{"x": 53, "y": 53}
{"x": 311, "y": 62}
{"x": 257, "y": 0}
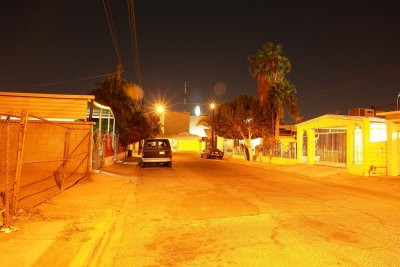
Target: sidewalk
{"x": 69, "y": 229}
{"x": 340, "y": 176}
{"x": 72, "y": 228}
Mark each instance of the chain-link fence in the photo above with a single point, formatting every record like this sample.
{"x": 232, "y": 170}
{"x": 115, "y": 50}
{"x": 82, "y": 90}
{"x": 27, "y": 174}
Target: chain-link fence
{"x": 40, "y": 158}
{"x": 8, "y": 157}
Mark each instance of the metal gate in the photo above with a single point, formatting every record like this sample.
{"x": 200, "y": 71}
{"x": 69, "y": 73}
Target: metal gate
{"x": 40, "y": 158}
{"x": 330, "y": 146}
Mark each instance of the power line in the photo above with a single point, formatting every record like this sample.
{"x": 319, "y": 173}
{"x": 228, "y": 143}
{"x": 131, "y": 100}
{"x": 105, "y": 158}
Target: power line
{"x": 62, "y": 82}
{"x": 348, "y": 84}
{"x": 111, "y": 26}
{"x": 134, "y": 41}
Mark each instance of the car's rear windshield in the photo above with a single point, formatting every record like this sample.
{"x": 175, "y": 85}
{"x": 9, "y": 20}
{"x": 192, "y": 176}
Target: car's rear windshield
{"x": 157, "y": 144}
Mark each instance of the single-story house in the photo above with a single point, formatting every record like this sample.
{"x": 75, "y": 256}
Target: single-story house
{"x": 356, "y": 143}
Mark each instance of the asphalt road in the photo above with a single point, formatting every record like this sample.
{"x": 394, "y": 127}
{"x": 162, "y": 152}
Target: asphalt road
{"x": 204, "y": 212}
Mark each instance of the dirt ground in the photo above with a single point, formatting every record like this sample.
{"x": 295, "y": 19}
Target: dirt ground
{"x": 55, "y": 231}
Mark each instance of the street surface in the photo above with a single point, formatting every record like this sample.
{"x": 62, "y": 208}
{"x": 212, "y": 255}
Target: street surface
{"x": 204, "y": 212}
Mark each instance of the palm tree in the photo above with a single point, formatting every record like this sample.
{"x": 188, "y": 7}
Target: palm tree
{"x": 283, "y": 95}
{"x": 269, "y": 66}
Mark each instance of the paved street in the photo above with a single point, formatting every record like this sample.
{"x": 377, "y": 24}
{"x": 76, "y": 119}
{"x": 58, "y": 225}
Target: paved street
{"x": 220, "y": 213}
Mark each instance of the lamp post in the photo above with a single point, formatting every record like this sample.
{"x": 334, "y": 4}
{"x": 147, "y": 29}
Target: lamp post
{"x": 398, "y": 100}
{"x": 161, "y": 110}
{"x": 212, "y": 107}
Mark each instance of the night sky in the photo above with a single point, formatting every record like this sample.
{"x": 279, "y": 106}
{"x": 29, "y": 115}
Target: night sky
{"x": 344, "y": 54}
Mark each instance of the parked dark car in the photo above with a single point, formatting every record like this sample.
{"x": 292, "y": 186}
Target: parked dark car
{"x": 156, "y": 151}
{"x": 212, "y": 153}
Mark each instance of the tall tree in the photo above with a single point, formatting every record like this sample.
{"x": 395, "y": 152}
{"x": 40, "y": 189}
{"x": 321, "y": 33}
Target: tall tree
{"x": 242, "y": 118}
{"x": 269, "y": 66}
{"x": 283, "y": 95}
{"x": 132, "y": 122}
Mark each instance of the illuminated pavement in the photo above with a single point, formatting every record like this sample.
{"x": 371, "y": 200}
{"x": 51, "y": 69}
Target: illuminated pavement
{"x": 221, "y": 213}
{"x": 213, "y": 213}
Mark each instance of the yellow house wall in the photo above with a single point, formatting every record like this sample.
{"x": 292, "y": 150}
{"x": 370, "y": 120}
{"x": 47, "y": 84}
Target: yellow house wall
{"x": 220, "y": 143}
{"x": 392, "y": 148}
{"x": 188, "y": 145}
{"x": 374, "y": 153}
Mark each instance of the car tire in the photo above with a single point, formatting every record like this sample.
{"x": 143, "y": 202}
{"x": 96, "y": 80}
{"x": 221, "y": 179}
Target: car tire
{"x": 169, "y": 164}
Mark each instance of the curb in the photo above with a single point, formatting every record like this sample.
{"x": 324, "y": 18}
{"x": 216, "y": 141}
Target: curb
{"x": 88, "y": 253}
{"x": 91, "y": 252}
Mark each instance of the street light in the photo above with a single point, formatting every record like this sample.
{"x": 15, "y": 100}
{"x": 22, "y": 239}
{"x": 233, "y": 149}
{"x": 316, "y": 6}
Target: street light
{"x": 398, "y": 101}
{"x": 161, "y": 110}
{"x": 212, "y": 107}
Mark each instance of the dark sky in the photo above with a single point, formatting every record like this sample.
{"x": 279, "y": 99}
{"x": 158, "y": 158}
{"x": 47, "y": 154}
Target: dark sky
{"x": 344, "y": 54}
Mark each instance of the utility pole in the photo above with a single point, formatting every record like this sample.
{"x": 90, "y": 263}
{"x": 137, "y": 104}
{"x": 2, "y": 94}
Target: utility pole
{"x": 118, "y": 72}
{"x": 185, "y": 98}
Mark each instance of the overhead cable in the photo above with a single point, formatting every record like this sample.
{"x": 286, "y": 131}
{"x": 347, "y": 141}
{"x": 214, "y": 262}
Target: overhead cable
{"x": 62, "y": 82}
{"x": 134, "y": 41}
{"x": 347, "y": 85}
{"x": 111, "y": 26}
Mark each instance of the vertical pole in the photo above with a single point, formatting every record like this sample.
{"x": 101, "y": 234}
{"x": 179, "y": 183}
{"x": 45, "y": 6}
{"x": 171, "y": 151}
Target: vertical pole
{"x": 398, "y": 95}
{"x": 65, "y": 160}
{"x": 108, "y": 122}
{"x": 114, "y": 138}
{"x": 7, "y": 190}
{"x": 100, "y": 140}
{"x": 118, "y": 72}
{"x": 184, "y": 100}
{"x": 212, "y": 129}
{"x": 90, "y": 152}
{"x": 91, "y": 107}
{"x": 21, "y": 140}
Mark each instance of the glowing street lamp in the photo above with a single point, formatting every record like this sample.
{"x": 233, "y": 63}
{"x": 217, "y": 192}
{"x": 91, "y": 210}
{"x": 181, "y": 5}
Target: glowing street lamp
{"x": 160, "y": 109}
{"x": 212, "y": 107}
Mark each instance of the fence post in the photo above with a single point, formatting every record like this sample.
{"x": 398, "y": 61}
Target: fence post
{"x": 90, "y": 157}
{"x": 7, "y": 189}
{"x": 21, "y": 140}
{"x": 67, "y": 141}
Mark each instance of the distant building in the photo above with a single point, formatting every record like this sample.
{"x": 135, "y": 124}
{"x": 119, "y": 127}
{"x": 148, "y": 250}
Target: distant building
{"x": 176, "y": 127}
{"x": 176, "y": 122}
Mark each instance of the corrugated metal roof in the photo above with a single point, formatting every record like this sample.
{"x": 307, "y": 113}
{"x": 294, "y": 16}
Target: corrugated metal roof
{"x": 45, "y": 105}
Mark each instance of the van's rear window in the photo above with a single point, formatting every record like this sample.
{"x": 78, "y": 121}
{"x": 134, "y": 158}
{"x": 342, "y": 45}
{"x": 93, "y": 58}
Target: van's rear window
{"x": 154, "y": 144}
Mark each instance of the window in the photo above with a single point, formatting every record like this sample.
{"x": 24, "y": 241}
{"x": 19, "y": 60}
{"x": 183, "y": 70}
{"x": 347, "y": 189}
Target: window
{"x": 162, "y": 144}
{"x": 358, "y": 145}
{"x": 377, "y": 132}
{"x": 151, "y": 144}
